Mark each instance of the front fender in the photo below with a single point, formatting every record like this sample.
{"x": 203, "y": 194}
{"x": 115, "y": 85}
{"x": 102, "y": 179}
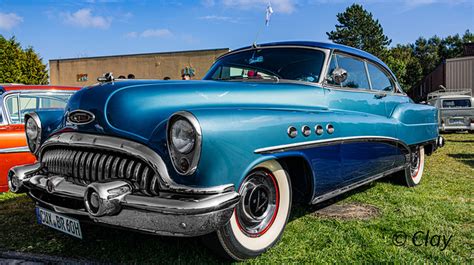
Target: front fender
{"x": 50, "y": 120}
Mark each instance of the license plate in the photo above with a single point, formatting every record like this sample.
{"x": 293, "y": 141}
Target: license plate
{"x": 59, "y": 222}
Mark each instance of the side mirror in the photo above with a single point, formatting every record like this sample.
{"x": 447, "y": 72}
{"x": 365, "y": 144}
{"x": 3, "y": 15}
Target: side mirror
{"x": 339, "y": 75}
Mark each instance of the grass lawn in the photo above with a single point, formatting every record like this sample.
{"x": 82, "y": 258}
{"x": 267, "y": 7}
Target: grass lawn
{"x": 442, "y": 205}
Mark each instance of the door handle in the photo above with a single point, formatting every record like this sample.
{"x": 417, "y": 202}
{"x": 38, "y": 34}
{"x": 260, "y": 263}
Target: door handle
{"x": 379, "y": 96}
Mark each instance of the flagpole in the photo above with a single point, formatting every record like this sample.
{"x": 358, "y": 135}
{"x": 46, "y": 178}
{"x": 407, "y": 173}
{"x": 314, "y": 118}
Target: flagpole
{"x": 269, "y": 12}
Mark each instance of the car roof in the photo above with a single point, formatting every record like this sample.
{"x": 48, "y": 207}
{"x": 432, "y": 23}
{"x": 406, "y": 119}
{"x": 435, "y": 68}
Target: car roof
{"x": 5, "y": 88}
{"x": 323, "y": 45}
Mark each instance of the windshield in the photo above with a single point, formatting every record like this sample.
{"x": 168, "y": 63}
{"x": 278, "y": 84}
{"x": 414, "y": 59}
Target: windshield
{"x": 457, "y": 103}
{"x": 296, "y": 64}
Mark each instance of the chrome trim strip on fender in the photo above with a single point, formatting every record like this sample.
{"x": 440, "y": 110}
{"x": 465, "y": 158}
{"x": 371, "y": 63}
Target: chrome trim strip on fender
{"x": 133, "y": 149}
{"x": 337, "y": 192}
{"x": 331, "y": 141}
{"x": 22, "y": 149}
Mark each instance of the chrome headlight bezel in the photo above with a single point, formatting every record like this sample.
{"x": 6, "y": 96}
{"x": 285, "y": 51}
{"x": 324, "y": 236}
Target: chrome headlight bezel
{"x": 33, "y": 142}
{"x": 185, "y": 161}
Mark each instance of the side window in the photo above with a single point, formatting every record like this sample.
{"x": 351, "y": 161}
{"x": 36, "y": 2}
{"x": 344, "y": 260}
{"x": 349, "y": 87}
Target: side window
{"x": 356, "y": 73}
{"x": 12, "y": 109}
{"x": 379, "y": 80}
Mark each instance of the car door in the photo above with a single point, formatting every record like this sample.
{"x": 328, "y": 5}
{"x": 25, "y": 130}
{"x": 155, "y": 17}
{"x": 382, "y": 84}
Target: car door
{"x": 363, "y": 159}
{"x": 13, "y": 147}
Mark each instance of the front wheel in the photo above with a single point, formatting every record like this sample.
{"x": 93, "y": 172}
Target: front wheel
{"x": 417, "y": 164}
{"x": 261, "y": 215}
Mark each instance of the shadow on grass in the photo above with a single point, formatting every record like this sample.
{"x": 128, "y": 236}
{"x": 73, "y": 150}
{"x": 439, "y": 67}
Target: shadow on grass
{"x": 467, "y": 159}
{"x": 101, "y": 243}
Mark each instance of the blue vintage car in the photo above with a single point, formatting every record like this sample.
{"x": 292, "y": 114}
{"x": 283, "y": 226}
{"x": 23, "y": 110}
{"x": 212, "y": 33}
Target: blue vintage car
{"x": 228, "y": 155}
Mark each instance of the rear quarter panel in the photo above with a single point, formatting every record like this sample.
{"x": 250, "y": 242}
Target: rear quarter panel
{"x": 417, "y": 123}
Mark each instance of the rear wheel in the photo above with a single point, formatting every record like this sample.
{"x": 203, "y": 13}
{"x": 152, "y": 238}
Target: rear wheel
{"x": 260, "y": 217}
{"x": 417, "y": 164}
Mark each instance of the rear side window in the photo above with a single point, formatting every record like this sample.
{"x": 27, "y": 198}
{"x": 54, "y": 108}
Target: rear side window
{"x": 18, "y": 106}
{"x": 356, "y": 74}
{"x": 456, "y": 103}
{"x": 379, "y": 80}
{"x": 12, "y": 109}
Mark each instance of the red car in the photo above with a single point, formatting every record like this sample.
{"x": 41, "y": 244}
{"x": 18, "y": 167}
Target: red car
{"x": 15, "y": 101}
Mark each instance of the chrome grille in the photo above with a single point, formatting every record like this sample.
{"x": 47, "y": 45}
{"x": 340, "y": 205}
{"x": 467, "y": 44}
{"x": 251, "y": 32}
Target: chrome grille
{"x": 85, "y": 166}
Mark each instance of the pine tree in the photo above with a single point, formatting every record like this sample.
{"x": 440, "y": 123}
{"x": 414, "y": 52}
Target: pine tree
{"x": 357, "y": 28}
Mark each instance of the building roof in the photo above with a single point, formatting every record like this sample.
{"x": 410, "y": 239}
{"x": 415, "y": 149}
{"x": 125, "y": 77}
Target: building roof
{"x": 139, "y": 54}
{"x": 14, "y": 87}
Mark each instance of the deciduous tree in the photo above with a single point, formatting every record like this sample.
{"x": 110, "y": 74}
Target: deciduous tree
{"x": 18, "y": 65}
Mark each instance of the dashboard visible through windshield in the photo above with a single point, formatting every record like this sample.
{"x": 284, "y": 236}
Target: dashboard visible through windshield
{"x": 296, "y": 64}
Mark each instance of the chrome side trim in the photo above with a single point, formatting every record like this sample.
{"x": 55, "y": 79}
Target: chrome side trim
{"x": 133, "y": 149}
{"x": 22, "y": 149}
{"x": 337, "y": 192}
{"x": 316, "y": 143}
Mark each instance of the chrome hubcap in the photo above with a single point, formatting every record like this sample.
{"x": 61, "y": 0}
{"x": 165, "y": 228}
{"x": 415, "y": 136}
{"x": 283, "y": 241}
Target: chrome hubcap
{"x": 259, "y": 204}
{"x": 415, "y": 162}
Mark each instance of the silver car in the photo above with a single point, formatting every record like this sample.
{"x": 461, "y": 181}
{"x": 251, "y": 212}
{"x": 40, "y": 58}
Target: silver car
{"x": 456, "y": 112}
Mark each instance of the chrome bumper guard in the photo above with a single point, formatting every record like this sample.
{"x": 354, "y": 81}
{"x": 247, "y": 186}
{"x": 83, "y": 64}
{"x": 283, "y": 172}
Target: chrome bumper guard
{"x": 112, "y": 203}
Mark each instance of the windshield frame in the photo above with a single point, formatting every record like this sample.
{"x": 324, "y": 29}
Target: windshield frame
{"x": 326, "y": 53}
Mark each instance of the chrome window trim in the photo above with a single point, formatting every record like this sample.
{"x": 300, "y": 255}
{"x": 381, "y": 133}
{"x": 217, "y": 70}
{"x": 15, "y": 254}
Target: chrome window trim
{"x": 7, "y": 94}
{"x": 391, "y": 79}
{"x": 363, "y": 60}
{"x": 325, "y": 142}
{"x": 131, "y": 148}
{"x": 395, "y": 88}
{"x": 323, "y": 68}
{"x": 7, "y": 111}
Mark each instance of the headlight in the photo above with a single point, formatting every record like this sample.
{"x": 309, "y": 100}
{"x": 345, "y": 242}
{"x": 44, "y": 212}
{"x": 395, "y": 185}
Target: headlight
{"x": 183, "y": 136}
{"x": 33, "y": 131}
{"x": 184, "y": 142}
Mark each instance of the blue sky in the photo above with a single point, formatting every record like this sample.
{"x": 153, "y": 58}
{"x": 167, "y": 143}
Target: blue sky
{"x": 68, "y": 29}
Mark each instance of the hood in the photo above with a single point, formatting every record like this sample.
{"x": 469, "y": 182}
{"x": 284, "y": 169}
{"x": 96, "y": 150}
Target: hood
{"x": 135, "y": 108}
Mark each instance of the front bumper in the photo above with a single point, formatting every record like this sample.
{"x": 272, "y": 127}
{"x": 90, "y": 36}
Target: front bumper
{"x": 445, "y": 127}
{"x": 172, "y": 214}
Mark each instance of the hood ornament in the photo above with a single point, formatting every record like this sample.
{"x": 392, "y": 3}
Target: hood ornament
{"x": 80, "y": 117}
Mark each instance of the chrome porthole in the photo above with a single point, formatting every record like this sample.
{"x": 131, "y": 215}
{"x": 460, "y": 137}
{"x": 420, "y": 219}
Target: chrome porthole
{"x": 306, "y": 130}
{"x": 318, "y": 129}
{"x": 329, "y": 129}
{"x": 292, "y": 132}
{"x": 258, "y": 206}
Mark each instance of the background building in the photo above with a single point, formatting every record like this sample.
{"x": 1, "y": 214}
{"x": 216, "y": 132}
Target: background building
{"x": 85, "y": 71}
{"x": 456, "y": 74}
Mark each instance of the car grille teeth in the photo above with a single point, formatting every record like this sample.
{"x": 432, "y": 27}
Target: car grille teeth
{"x": 83, "y": 167}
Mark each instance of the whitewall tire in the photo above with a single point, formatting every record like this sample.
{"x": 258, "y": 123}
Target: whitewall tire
{"x": 417, "y": 164}
{"x": 260, "y": 217}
